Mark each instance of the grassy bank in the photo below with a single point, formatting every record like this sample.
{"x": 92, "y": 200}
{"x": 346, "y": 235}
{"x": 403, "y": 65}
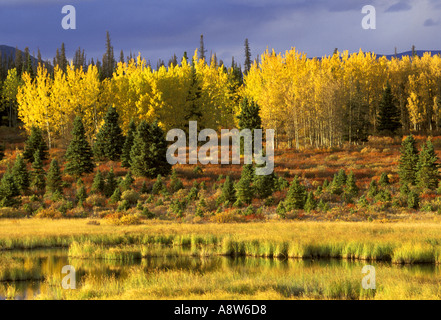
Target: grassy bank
{"x": 410, "y": 242}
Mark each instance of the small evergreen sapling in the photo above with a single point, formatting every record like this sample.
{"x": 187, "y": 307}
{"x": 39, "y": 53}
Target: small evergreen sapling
{"x": 21, "y": 174}
{"x": 427, "y": 175}
{"x": 54, "y": 182}
{"x": 111, "y": 183}
{"x": 296, "y": 196}
{"x": 98, "y": 184}
{"x": 244, "y": 189}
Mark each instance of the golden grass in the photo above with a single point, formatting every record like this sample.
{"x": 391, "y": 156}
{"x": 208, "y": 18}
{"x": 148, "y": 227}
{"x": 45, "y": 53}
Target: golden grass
{"x": 291, "y": 279}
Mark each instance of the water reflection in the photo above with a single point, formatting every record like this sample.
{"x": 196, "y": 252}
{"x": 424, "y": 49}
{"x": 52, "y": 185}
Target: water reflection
{"x": 51, "y": 262}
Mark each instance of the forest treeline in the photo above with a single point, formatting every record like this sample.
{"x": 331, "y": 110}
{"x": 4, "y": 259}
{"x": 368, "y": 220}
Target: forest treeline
{"x": 319, "y": 102}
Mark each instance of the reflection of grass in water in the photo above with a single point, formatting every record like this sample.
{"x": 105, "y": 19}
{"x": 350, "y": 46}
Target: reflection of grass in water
{"x": 18, "y": 269}
{"x": 265, "y": 279}
{"x": 188, "y": 277}
{"x": 364, "y": 241}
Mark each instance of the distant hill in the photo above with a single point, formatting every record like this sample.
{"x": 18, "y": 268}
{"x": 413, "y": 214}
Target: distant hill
{"x": 419, "y": 53}
{"x": 7, "y": 51}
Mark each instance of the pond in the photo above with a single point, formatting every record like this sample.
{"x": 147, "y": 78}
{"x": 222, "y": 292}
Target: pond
{"x": 49, "y": 264}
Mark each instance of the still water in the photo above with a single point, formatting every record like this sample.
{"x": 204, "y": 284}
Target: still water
{"x": 50, "y": 262}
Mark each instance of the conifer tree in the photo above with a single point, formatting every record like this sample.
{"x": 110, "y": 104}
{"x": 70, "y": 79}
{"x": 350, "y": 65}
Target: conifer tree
{"x": 338, "y": 182}
{"x": 202, "y": 50}
{"x": 408, "y": 162}
{"x": 193, "y": 100}
{"x": 54, "y": 182}
{"x": 264, "y": 185}
{"x": 325, "y": 184}
{"x": 116, "y": 196}
{"x": 21, "y": 174}
{"x": 79, "y": 159}
{"x": 427, "y": 175}
{"x": 18, "y": 61}
{"x": 247, "y": 56}
{"x": 158, "y": 186}
{"x": 148, "y": 154}
{"x": 249, "y": 117}
{"x": 38, "y": 174}
{"x": 109, "y": 140}
{"x": 98, "y": 184}
{"x": 128, "y": 143}
{"x": 373, "y": 189}
{"x": 296, "y": 196}
{"x": 351, "y": 188}
{"x": 413, "y": 200}
{"x": 144, "y": 188}
{"x": 111, "y": 183}
{"x": 384, "y": 180}
{"x": 244, "y": 189}
{"x": 33, "y": 143}
{"x": 389, "y": 114}
{"x": 175, "y": 183}
{"x": 108, "y": 59}
{"x": 341, "y": 177}
{"x": 310, "y": 203}
{"x": 126, "y": 184}
{"x": 228, "y": 192}
{"x": 81, "y": 195}
{"x": 8, "y": 189}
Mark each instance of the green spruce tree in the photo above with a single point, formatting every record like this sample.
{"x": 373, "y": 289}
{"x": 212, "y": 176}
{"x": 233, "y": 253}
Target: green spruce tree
{"x": 427, "y": 175}
{"x": 296, "y": 196}
{"x": 244, "y": 189}
{"x": 79, "y": 159}
{"x": 109, "y": 140}
{"x": 126, "y": 184}
{"x": 8, "y": 189}
{"x": 264, "y": 185}
{"x": 175, "y": 183}
{"x": 98, "y": 184}
{"x": 111, "y": 183}
{"x": 33, "y": 143}
{"x": 38, "y": 173}
{"x": 228, "y": 191}
{"x": 388, "y": 120}
{"x": 310, "y": 203}
{"x": 351, "y": 189}
{"x": 128, "y": 144}
{"x": 54, "y": 182}
{"x": 148, "y": 154}
{"x": 21, "y": 174}
{"x": 384, "y": 180}
{"x": 408, "y": 162}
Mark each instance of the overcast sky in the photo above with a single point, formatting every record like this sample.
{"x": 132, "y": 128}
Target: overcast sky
{"x": 160, "y": 28}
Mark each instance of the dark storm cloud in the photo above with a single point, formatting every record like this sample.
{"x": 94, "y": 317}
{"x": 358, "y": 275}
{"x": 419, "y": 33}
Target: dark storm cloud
{"x": 160, "y": 28}
{"x": 431, "y": 23}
